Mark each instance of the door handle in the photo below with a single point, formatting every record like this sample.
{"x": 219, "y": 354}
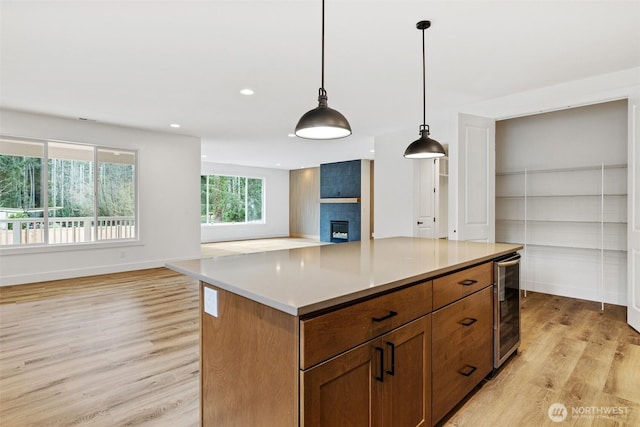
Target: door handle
{"x": 509, "y": 262}
{"x": 392, "y": 371}
{"x": 420, "y": 222}
{"x": 380, "y": 377}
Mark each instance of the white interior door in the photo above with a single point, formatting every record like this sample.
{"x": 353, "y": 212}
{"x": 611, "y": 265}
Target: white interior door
{"x": 633, "y": 217}
{"x": 426, "y": 198}
{"x": 472, "y": 170}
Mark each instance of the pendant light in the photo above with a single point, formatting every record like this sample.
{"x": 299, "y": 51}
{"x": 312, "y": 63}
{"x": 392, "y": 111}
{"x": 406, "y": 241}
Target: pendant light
{"x": 424, "y": 147}
{"x": 323, "y": 122}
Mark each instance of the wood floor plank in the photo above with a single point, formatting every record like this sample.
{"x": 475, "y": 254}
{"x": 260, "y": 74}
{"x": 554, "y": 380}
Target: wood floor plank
{"x": 109, "y": 350}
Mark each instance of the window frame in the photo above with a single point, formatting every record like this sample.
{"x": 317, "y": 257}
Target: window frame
{"x": 96, "y": 243}
{"x": 263, "y": 219}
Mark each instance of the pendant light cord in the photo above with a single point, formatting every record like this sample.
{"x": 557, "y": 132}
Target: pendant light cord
{"x": 424, "y": 84}
{"x": 322, "y": 82}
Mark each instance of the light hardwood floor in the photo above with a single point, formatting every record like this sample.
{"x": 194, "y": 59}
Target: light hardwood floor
{"x": 257, "y": 245}
{"x": 122, "y": 349}
{"x": 113, "y": 350}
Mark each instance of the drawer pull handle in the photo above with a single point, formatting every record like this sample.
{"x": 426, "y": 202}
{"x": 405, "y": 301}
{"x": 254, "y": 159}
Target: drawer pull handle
{"x": 393, "y": 359}
{"x": 380, "y": 377}
{"x": 468, "y": 282}
{"x": 388, "y": 316}
{"x": 469, "y": 321}
{"x": 468, "y": 370}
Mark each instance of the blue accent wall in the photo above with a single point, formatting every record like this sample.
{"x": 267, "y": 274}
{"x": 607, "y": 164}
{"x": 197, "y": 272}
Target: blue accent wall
{"x": 339, "y": 212}
{"x": 342, "y": 179}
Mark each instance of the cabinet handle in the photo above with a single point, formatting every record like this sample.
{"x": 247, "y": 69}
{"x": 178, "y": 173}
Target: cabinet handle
{"x": 468, "y": 282}
{"x": 468, "y": 370}
{"x": 469, "y": 321}
{"x": 388, "y": 316}
{"x": 380, "y": 377}
{"x": 393, "y": 359}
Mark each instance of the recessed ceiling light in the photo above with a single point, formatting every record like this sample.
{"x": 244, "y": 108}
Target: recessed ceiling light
{"x": 247, "y": 91}
{"x": 278, "y": 164}
{"x": 174, "y": 125}
{"x": 372, "y": 151}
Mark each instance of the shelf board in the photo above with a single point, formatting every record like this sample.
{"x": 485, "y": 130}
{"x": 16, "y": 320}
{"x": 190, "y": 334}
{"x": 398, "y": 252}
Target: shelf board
{"x": 560, "y": 221}
{"x": 537, "y": 245}
{"x": 541, "y": 196}
{"x": 341, "y": 200}
{"x": 573, "y": 169}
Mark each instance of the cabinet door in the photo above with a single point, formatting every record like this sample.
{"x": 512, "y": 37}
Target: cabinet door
{"x": 407, "y": 375}
{"x": 343, "y": 391}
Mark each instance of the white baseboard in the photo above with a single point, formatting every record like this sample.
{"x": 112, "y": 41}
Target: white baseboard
{"x": 80, "y": 272}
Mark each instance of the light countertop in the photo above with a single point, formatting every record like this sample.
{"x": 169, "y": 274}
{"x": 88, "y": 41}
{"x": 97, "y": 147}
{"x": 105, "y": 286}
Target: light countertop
{"x": 303, "y": 280}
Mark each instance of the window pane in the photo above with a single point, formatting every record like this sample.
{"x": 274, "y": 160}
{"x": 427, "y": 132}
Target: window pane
{"x": 86, "y": 200}
{"x": 71, "y": 193}
{"x": 254, "y": 200}
{"x": 116, "y": 194}
{"x": 203, "y": 199}
{"x": 226, "y": 199}
{"x": 21, "y": 207}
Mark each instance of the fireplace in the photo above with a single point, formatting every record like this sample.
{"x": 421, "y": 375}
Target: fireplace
{"x": 339, "y": 231}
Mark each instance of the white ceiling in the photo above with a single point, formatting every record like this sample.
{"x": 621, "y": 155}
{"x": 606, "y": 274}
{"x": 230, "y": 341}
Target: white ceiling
{"x": 151, "y": 63}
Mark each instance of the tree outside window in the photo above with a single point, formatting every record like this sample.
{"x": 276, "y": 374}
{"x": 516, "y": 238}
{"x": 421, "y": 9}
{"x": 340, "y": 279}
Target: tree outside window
{"x": 231, "y": 199}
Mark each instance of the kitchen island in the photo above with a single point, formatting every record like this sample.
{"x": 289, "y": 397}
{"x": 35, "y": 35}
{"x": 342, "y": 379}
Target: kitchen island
{"x": 355, "y": 333}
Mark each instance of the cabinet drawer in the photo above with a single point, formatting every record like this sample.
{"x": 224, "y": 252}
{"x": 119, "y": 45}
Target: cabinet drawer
{"x": 329, "y": 334}
{"x": 462, "y": 349}
{"x": 454, "y": 286}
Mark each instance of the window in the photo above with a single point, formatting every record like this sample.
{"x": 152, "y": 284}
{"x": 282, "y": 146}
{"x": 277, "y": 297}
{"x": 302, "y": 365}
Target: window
{"x": 58, "y": 193}
{"x": 231, "y": 199}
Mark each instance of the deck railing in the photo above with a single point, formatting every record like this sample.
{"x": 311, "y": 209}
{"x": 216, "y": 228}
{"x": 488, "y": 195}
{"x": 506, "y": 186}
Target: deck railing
{"x": 29, "y": 231}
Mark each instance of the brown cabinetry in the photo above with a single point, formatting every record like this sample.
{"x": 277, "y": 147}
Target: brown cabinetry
{"x": 403, "y": 358}
{"x": 383, "y": 382}
{"x": 462, "y": 349}
{"x": 452, "y": 287}
{"x": 332, "y": 333}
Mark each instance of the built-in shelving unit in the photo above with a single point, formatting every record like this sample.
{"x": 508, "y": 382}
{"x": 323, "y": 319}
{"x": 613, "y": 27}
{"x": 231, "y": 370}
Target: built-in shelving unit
{"x": 572, "y": 222}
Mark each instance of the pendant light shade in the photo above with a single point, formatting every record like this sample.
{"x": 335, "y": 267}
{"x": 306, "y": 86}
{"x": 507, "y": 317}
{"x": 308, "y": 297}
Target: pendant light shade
{"x": 424, "y": 147}
{"x": 323, "y": 122}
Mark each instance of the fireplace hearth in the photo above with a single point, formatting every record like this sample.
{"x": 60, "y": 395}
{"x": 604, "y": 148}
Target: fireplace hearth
{"x": 339, "y": 231}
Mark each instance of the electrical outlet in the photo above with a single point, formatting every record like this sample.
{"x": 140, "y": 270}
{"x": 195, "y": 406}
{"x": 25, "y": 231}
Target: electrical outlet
{"x": 211, "y": 301}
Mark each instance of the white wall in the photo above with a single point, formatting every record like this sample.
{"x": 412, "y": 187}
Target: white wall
{"x": 169, "y": 202}
{"x": 276, "y": 205}
{"x": 393, "y": 185}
